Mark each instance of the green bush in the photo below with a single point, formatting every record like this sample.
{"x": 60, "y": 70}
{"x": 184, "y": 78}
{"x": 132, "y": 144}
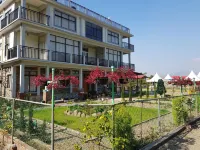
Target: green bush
{"x": 124, "y": 137}
{"x": 179, "y": 111}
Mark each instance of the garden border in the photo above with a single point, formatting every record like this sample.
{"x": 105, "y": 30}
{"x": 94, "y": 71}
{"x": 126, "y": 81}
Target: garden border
{"x": 156, "y": 144}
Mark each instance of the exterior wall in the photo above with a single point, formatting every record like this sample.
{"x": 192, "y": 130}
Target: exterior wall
{"x": 4, "y": 90}
{"x": 91, "y": 52}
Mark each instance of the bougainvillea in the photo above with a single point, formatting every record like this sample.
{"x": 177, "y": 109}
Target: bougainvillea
{"x": 42, "y": 80}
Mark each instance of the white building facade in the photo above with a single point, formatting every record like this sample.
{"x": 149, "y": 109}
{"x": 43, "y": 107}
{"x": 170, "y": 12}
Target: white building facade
{"x": 37, "y": 35}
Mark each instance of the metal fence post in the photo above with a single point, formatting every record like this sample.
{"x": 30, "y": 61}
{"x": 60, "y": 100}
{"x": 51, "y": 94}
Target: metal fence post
{"x": 13, "y": 107}
{"x": 52, "y": 115}
{"x": 113, "y": 120}
{"x": 159, "y": 125}
{"x": 141, "y": 121}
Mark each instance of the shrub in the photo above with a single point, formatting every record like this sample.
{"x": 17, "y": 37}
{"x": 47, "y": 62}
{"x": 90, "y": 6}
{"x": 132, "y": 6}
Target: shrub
{"x": 179, "y": 111}
{"x": 124, "y": 137}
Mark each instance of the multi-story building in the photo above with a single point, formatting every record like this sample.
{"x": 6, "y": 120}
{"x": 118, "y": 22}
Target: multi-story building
{"x": 37, "y": 35}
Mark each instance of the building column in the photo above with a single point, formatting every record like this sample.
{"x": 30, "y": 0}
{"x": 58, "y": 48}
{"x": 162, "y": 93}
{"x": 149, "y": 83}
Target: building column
{"x": 47, "y": 46}
{"x": 82, "y": 22}
{"x": 23, "y": 3}
{"x": 129, "y": 42}
{"x": 81, "y": 48}
{"x": 80, "y": 78}
{"x": 22, "y": 35}
{"x": 47, "y": 71}
{"x": 78, "y": 25}
{"x": 50, "y": 12}
{"x": 105, "y": 34}
{"x": 38, "y": 87}
{"x": 13, "y": 81}
{"x": 21, "y": 82}
{"x": 122, "y": 59}
{"x": 129, "y": 60}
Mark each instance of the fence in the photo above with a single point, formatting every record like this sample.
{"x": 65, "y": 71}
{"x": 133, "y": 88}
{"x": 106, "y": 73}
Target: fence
{"x": 96, "y": 124}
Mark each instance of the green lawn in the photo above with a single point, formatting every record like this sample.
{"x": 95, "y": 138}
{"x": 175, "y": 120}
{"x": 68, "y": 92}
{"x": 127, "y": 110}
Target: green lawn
{"x": 77, "y": 123}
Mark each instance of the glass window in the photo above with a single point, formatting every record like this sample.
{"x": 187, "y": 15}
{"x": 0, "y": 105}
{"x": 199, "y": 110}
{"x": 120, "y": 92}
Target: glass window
{"x": 93, "y": 31}
{"x": 65, "y": 21}
{"x": 29, "y": 76}
{"x": 113, "y": 37}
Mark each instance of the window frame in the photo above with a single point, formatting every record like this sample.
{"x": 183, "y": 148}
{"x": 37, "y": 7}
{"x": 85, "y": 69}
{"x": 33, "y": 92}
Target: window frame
{"x": 92, "y": 30}
{"x": 113, "y": 36}
{"x": 67, "y": 17}
{"x": 29, "y": 75}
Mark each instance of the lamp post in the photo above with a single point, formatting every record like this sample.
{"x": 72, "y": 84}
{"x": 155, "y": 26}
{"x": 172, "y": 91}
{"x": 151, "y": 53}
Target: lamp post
{"x": 113, "y": 94}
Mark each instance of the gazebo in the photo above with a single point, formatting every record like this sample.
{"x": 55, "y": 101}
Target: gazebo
{"x": 192, "y": 76}
{"x": 155, "y": 78}
{"x": 168, "y": 78}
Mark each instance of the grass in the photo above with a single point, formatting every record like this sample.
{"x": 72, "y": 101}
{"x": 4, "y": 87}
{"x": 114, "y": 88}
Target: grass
{"x": 77, "y": 123}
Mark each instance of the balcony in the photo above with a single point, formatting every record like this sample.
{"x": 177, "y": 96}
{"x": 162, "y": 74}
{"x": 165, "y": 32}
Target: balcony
{"x": 128, "y": 46}
{"x": 43, "y": 54}
{"x": 27, "y": 14}
{"x": 93, "y": 14}
{"x": 27, "y": 52}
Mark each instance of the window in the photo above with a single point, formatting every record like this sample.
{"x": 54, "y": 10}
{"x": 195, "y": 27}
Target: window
{"x": 65, "y": 21}
{"x": 113, "y": 37}
{"x": 61, "y": 47}
{"x": 93, "y": 31}
{"x": 8, "y": 81}
{"x": 29, "y": 76}
{"x": 113, "y": 56}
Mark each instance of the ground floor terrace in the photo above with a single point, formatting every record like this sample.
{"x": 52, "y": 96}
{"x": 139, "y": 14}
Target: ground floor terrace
{"x": 17, "y": 80}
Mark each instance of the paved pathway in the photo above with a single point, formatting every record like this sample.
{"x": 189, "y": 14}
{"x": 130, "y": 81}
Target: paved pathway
{"x": 189, "y": 140}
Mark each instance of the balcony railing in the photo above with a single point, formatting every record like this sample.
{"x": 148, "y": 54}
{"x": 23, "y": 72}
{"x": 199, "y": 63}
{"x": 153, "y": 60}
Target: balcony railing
{"x": 27, "y": 14}
{"x": 103, "y": 62}
{"x": 93, "y": 14}
{"x": 34, "y": 53}
{"x": 60, "y": 56}
{"x": 77, "y": 59}
{"x": 12, "y": 53}
{"x": 128, "y": 46}
{"x": 90, "y": 61}
{"x": 34, "y": 16}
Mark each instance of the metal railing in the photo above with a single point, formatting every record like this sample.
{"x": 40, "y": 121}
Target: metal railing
{"x": 93, "y": 14}
{"x": 77, "y": 59}
{"x": 34, "y": 53}
{"x": 127, "y": 46}
{"x": 34, "y": 16}
{"x": 103, "y": 62}
{"x": 61, "y": 56}
{"x": 12, "y": 53}
{"x": 90, "y": 61}
{"x": 27, "y": 14}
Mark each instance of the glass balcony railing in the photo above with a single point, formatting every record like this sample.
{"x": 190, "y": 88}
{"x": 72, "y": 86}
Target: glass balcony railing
{"x": 128, "y": 46}
{"x": 93, "y": 14}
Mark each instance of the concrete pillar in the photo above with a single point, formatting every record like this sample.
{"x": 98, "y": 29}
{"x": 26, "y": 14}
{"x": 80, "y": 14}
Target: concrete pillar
{"x": 50, "y": 12}
{"x": 129, "y": 42}
{"x": 13, "y": 81}
{"x": 21, "y": 82}
{"x": 38, "y": 88}
{"x": 81, "y": 48}
{"x": 120, "y": 40}
{"x": 82, "y": 22}
{"x": 78, "y": 25}
{"x": 122, "y": 58}
{"x": 22, "y": 35}
{"x": 47, "y": 46}
{"x": 81, "y": 78}
{"x": 129, "y": 60}
{"x": 47, "y": 71}
{"x": 23, "y": 3}
{"x": 105, "y": 34}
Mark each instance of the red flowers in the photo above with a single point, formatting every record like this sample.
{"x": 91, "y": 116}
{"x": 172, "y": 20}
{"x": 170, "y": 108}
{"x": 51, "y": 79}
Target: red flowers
{"x": 120, "y": 73}
{"x": 181, "y": 81}
{"x": 42, "y": 80}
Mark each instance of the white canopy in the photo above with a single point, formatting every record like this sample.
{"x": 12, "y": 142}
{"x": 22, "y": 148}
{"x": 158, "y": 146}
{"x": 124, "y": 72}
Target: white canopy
{"x": 168, "y": 77}
{"x": 198, "y": 75}
{"x": 193, "y": 76}
{"x": 155, "y": 78}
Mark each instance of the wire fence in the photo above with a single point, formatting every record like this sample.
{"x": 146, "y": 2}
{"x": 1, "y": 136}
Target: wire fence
{"x": 93, "y": 125}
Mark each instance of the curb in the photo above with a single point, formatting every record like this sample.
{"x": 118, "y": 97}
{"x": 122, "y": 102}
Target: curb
{"x": 156, "y": 144}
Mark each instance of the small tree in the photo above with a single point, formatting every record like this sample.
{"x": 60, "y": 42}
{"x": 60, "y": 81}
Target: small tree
{"x": 161, "y": 87}
{"x": 155, "y": 91}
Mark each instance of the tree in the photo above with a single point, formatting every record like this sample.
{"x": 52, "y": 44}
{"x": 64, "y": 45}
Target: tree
{"x": 147, "y": 94}
{"x": 161, "y": 87}
{"x": 22, "y": 122}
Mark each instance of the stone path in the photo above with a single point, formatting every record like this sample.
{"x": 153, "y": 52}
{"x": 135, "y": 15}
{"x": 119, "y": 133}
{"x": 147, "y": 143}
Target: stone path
{"x": 188, "y": 140}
